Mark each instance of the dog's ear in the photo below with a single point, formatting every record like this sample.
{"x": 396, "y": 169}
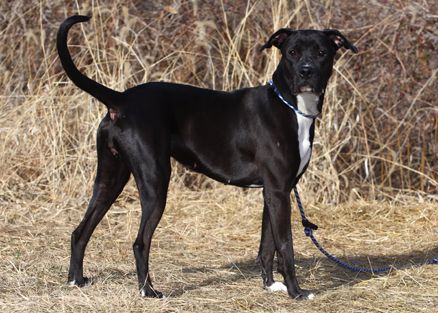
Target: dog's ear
{"x": 277, "y": 38}
{"x": 339, "y": 40}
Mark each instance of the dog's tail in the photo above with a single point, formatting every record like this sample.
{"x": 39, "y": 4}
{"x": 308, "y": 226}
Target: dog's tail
{"x": 104, "y": 94}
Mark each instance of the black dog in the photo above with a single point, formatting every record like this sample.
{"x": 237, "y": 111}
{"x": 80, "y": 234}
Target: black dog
{"x": 252, "y": 137}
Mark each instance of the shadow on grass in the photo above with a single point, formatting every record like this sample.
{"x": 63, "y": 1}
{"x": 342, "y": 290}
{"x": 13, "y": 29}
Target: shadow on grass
{"x": 325, "y": 270}
{"x": 328, "y": 274}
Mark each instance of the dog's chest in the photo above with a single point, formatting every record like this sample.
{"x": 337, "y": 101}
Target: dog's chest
{"x": 306, "y": 103}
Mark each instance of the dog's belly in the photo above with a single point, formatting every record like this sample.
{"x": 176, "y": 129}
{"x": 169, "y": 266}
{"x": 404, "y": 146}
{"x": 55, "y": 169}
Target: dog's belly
{"x": 227, "y": 168}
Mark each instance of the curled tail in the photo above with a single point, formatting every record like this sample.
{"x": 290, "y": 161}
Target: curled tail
{"x": 104, "y": 94}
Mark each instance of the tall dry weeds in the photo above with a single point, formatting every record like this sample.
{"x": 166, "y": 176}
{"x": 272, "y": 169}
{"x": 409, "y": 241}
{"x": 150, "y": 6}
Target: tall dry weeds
{"x": 377, "y": 138}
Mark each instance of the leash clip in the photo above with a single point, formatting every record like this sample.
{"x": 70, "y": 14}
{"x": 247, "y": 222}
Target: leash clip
{"x": 308, "y": 231}
{"x": 307, "y": 224}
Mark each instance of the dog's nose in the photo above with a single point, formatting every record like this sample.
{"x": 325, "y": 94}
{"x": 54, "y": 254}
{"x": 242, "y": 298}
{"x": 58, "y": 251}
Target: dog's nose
{"x": 306, "y": 71}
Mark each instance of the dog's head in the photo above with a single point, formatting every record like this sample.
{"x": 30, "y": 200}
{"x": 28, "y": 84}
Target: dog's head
{"x": 307, "y": 57}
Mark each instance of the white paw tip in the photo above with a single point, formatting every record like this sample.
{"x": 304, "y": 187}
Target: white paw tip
{"x": 277, "y": 286}
{"x": 143, "y": 294}
{"x": 72, "y": 283}
{"x": 311, "y": 296}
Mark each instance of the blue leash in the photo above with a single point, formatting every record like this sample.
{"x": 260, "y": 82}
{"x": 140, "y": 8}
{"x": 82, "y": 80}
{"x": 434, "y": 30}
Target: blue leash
{"x": 310, "y": 227}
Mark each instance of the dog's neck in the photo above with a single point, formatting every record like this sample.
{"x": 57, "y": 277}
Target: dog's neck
{"x": 307, "y": 102}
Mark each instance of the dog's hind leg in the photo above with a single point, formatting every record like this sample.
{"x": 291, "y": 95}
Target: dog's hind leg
{"x": 112, "y": 175}
{"x": 152, "y": 177}
{"x": 142, "y": 248}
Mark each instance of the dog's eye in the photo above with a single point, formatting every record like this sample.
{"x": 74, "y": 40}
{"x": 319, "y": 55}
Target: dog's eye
{"x": 322, "y": 53}
{"x": 292, "y": 52}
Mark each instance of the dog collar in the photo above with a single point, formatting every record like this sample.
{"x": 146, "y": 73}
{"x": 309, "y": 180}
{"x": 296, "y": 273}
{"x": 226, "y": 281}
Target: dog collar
{"x": 296, "y": 110}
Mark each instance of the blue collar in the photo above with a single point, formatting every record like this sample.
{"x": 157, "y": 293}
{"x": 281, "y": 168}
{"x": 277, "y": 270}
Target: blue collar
{"x": 277, "y": 92}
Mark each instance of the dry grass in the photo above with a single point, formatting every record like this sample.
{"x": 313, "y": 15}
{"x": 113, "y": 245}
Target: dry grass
{"x": 203, "y": 258}
{"x": 377, "y": 141}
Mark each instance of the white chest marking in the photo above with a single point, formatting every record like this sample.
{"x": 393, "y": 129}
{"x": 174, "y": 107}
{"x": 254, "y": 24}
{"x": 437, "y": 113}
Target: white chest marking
{"x": 307, "y": 103}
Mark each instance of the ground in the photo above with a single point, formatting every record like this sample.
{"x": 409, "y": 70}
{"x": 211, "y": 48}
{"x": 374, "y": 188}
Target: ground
{"x": 203, "y": 257}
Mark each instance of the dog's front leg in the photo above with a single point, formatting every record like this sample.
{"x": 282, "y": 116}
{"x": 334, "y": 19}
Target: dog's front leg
{"x": 266, "y": 250}
{"x": 278, "y": 205}
{"x": 266, "y": 255}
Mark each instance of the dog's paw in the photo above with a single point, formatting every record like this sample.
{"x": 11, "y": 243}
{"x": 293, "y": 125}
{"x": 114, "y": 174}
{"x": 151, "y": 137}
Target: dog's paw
{"x": 300, "y": 294}
{"x": 84, "y": 282}
{"x": 277, "y": 286}
{"x": 151, "y": 293}
{"x": 304, "y": 295}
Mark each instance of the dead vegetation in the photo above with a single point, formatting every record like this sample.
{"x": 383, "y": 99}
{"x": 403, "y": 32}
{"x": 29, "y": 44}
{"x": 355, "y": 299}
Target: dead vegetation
{"x": 372, "y": 184}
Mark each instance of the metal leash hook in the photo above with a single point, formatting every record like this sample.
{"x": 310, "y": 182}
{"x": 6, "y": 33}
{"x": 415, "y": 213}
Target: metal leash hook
{"x": 310, "y": 227}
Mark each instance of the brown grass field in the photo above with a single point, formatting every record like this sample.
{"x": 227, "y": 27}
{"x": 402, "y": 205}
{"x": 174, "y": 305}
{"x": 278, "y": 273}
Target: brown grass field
{"x": 372, "y": 186}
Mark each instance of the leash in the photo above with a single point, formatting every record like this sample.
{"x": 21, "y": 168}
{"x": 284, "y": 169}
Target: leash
{"x": 308, "y": 231}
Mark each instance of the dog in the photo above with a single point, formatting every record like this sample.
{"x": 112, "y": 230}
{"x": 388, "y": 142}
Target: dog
{"x": 251, "y": 137}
